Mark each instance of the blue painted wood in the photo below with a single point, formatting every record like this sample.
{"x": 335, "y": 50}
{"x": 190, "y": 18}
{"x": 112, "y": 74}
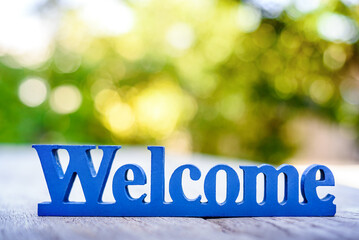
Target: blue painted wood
{"x": 93, "y": 184}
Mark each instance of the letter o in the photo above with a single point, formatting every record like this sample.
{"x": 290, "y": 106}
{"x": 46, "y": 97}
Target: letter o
{"x": 232, "y": 184}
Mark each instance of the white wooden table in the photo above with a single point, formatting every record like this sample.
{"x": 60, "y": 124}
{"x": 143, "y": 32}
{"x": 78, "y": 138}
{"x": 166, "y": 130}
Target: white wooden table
{"x": 22, "y": 186}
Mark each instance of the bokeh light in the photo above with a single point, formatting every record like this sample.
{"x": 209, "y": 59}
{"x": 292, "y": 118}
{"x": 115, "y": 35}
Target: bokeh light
{"x": 248, "y": 18}
{"x": 32, "y": 92}
{"x": 336, "y": 27}
{"x": 180, "y": 36}
{"x": 234, "y": 78}
{"x": 108, "y": 17}
{"x": 24, "y": 34}
{"x": 65, "y": 99}
{"x": 119, "y": 118}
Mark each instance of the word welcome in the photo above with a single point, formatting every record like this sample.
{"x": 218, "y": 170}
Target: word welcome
{"x": 93, "y": 184}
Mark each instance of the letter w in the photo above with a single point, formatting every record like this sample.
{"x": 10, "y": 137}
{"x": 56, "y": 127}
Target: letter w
{"x": 80, "y": 163}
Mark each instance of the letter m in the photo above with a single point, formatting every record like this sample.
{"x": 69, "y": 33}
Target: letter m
{"x": 80, "y": 164}
{"x": 291, "y": 184}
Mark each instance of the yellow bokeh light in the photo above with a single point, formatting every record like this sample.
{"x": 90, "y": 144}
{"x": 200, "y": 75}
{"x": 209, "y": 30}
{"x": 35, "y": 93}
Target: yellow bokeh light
{"x": 248, "y": 18}
{"x": 119, "y": 118}
{"x": 157, "y": 112}
{"x": 334, "y": 57}
{"x": 180, "y": 36}
{"x": 321, "y": 91}
{"x": 104, "y": 98}
{"x": 65, "y": 99}
{"x": 160, "y": 108}
{"x": 131, "y": 48}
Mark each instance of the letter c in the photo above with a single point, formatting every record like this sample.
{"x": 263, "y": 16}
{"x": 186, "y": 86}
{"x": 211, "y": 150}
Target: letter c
{"x": 175, "y": 186}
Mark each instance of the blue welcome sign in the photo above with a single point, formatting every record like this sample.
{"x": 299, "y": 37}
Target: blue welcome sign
{"x": 80, "y": 164}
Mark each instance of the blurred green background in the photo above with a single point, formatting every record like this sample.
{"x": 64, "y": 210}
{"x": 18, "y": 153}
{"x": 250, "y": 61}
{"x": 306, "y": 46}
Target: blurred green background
{"x": 220, "y": 77}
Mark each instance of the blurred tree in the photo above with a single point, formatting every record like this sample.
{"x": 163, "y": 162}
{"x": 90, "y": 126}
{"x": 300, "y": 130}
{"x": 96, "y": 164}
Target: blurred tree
{"x": 220, "y": 77}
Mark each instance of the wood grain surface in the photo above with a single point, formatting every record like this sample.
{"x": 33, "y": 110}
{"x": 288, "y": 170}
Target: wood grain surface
{"x": 22, "y": 186}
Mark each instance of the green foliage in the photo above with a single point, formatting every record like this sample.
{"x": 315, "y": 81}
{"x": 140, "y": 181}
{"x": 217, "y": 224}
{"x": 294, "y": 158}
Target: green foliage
{"x": 193, "y": 77}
